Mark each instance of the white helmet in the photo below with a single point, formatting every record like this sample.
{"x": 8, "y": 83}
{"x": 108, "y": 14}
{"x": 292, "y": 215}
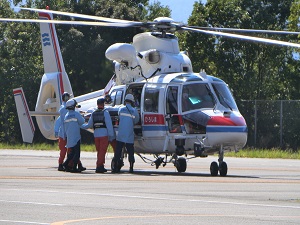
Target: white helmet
{"x": 129, "y": 97}
{"x": 71, "y": 104}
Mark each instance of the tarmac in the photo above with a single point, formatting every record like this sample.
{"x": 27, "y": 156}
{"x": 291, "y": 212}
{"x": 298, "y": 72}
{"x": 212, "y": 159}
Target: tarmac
{"x": 255, "y": 191}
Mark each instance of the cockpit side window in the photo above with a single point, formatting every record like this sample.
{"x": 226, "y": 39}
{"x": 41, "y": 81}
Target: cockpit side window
{"x": 172, "y": 106}
{"x": 196, "y": 96}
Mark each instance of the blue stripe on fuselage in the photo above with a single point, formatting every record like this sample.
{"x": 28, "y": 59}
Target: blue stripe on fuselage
{"x": 224, "y": 129}
{"x": 154, "y": 128}
{"x": 209, "y": 129}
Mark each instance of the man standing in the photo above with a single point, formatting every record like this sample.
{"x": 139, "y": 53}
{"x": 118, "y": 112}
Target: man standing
{"x": 72, "y": 123}
{"x": 60, "y": 133}
{"x": 100, "y": 120}
{"x": 128, "y": 117}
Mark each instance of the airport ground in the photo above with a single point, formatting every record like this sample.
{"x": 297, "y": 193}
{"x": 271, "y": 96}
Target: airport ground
{"x": 255, "y": 191}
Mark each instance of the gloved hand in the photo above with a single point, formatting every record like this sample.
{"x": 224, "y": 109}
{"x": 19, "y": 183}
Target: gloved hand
{"x": 56, "y": 134}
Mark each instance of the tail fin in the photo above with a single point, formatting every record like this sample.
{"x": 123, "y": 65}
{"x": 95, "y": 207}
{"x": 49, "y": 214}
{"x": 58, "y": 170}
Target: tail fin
{"x": 25, "y": 120}
{"x": 54, "y": 83}
{"x": 55, "y": 80}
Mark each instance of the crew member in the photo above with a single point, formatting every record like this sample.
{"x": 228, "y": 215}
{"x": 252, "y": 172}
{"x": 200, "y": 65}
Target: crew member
{"x": 100, "y": 120}
{"x": 59, "y": 131}
{"x": 128, "y": 116}
{"x": 108, "y": 101}
{"x": 60, "y": 134}
{"x": 72, "y": 123}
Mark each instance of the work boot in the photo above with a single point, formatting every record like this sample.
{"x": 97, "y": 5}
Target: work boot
{"x": 100, "y": 169}
{"x": 131, "y": 167}
{"x": 80, "y": 167}
{"x": 61, "y": 167}
{"x": 116, "y": 168}
{"x": 66, "y": 167}
{"x": 75, "y": 170}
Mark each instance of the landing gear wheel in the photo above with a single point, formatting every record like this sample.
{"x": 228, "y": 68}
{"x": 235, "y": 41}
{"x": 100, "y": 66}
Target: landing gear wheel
{"x": 214, "y": 169}
{"x": 223, "y": 169}
{"x": 180, "y": 165}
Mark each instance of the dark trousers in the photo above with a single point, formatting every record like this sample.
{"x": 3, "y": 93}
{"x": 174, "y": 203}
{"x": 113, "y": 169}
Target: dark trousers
{"x": 129, "y": 148}
{"x": 73, "y": 155}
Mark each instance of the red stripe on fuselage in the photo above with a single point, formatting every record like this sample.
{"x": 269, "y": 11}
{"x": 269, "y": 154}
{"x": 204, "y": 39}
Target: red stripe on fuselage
{"x": 226, "y": 121}
{"x": 154, "y": 119}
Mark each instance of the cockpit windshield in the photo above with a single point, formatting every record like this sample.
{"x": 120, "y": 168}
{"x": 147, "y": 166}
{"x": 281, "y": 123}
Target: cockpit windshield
{"x": 196, "y": 96}
{"x": 224, "y": 96}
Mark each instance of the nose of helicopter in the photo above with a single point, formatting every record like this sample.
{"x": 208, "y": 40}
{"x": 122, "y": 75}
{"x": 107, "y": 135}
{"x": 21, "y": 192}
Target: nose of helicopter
{"x": 227, "y": 130}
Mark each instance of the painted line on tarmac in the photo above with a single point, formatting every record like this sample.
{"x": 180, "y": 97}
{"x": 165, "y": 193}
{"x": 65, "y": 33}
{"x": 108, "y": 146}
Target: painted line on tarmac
{"x": 23, "y": 222}
{"x": 169, "y": 215}
{"x": 160, "y": 198}
{"x": 32, "y": 203}
{"x": 130, "y": 177}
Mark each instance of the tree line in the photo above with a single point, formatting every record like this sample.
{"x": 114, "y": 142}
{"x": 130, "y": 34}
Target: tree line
{"x": 253, "y": 70}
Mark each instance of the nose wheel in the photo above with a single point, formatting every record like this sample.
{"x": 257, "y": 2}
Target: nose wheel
{"x": 180, "y": 164}
{"x": 215, "y": 169}
{"x": 221, "y": 168}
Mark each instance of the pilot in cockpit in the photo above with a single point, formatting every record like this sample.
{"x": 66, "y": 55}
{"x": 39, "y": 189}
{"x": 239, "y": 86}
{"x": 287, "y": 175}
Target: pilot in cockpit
{"x": 186, "y": 102}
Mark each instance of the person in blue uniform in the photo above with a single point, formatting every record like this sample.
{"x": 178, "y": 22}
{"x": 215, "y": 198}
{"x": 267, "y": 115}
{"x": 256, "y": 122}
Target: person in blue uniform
{"x": 72, "y": 123}
{"x": 59, "y": 131}
{"x": 101, "y": 121}
{"x": 128, "y": 117}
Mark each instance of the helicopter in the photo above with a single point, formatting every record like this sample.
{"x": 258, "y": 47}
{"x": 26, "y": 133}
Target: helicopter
{"x": 183, "y": 114}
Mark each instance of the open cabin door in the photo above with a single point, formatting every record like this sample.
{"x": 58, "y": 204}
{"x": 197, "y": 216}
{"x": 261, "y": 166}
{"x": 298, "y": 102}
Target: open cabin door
{"x": 152, "y": 110}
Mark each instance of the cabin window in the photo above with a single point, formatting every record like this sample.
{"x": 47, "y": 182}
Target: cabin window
{"x": 172, "y": 106}
{"x": 151, "y": 100}
{"x": 136, "y": 92}
{"x": 116, "y": 97}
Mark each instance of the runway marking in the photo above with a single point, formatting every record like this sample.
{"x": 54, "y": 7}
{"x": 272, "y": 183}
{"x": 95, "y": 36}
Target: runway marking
{"x": 158, "y": 198}
{"x": 23, "y": 222}
{"x": 161, "y": 178}
{"x": 33, "y": 203}
{"x": 169, "y": 215}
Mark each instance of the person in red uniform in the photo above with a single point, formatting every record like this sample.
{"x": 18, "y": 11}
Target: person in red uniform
{"x": 100, "y": 120}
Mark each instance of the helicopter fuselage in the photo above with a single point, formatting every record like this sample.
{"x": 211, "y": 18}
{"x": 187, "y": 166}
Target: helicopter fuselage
{"x": 181, "y": 113}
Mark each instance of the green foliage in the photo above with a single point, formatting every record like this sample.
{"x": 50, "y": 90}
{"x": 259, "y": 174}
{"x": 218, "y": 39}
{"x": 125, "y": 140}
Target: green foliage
{"x": 254, "y": 71}
{"x": 157, "y": 10}
{"x": 265, "y": 153}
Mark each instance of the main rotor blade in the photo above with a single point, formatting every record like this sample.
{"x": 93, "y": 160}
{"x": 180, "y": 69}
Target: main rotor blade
{"x": 77, "y": 15}
{"x": 246, "y": 30}
{"x": 89, "y": 23}
{"x": 244, "y": 37}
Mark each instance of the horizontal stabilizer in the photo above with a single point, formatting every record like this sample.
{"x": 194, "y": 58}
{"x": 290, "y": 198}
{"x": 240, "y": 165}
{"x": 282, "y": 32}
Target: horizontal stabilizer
{"x": 25, "y": 120}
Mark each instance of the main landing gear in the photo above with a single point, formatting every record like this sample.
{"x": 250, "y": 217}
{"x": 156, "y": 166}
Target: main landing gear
{"x": 221, "y": 168}
{"x": 180, "y": 164}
